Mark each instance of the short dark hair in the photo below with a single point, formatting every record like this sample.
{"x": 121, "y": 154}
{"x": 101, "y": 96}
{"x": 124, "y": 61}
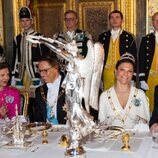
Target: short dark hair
{"x": 119, "y": 62}
{"x": 71, "y": 11}
{"x": 116, "y": 11}
{"x": 52, "y": 60}
{"x": 4, "y": 65}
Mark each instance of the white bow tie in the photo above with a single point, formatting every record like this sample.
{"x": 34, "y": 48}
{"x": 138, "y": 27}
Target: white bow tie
{"x": 50, "y": 85}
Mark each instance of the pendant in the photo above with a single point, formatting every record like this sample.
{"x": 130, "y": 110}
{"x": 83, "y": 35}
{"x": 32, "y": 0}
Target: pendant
{"x": 52, "y": 114}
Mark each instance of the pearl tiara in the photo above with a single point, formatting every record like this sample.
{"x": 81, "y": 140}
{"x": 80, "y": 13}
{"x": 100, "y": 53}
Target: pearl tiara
{"x": 128, "y": 56}
{"x": 2, "y": 58}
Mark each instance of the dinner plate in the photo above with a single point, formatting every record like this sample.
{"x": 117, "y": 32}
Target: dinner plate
{"x": 110, "y": 132}
{"x": 39, "y": 126}
{"x": 59, "y": 128}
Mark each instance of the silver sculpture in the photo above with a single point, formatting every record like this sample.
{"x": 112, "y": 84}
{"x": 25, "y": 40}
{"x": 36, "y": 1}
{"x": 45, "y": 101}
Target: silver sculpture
{"x": 82, "y": 81}
{"x": 18, "y": 135}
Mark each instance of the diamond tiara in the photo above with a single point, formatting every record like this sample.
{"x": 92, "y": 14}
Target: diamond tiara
{"x": 127, "y": 56}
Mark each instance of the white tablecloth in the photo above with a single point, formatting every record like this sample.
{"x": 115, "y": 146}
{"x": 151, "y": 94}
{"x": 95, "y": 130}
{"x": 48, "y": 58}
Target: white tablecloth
{"x": 141, "y": 147}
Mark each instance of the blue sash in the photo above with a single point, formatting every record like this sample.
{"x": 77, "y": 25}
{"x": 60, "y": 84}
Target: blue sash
{"x": 50, "y": 118}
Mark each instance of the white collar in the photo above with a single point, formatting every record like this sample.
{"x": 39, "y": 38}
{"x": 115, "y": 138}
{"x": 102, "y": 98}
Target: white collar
{"x": 54, "y": 83}
{"x": 118, "y": 31}
{"x": 71, "y": 34}
{"x": 115, "y": 33}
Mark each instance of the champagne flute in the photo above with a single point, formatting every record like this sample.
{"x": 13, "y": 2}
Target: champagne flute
{"x": 155, "y": 137}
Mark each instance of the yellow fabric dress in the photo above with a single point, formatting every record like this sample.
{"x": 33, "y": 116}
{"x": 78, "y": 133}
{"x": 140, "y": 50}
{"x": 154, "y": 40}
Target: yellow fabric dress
{"x": 113, "y": 56}
{"x": 153, "y": 78}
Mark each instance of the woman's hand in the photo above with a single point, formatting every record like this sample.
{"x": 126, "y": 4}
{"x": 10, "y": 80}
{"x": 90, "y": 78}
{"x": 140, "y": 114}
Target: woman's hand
{"x": 155, "y": 125}
{"x": 3, "y": 111}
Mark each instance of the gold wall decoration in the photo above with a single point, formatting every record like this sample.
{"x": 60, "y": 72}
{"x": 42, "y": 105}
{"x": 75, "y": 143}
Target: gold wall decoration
{"x": 17, "y": 4}
{"x": 128, "y": 8}
{"x": 1, "y": 24}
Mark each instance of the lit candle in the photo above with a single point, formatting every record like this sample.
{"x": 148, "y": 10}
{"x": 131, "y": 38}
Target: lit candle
{"x": 16, "y": 110}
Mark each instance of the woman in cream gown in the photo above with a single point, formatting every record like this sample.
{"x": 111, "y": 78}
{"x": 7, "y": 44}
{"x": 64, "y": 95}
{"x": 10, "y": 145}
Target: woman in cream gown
{"x": 123, "y": 104}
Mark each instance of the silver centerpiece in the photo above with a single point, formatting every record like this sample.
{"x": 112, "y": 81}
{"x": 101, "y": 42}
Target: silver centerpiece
{"x": 18, "y": 134}
{"x": 82, "y": 81}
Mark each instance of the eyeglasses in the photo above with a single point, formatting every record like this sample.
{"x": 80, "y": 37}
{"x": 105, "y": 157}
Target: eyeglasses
{"x": 69, "y": 19}
{"x": 45, "y": 71}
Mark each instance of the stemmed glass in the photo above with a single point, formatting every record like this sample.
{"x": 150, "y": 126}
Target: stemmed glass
{"x": 155, "y": 137}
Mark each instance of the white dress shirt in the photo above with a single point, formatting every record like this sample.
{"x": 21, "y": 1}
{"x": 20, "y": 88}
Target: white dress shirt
{"x": 115, "y": 33}
{"x": 70, "y": 34}
{"x": 52, "y": 94}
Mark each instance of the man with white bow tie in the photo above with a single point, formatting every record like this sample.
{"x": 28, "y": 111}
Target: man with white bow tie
{"x": 116, "y": 42}
{"x": 50, "y": 97}
{"x": 148, "y": 61}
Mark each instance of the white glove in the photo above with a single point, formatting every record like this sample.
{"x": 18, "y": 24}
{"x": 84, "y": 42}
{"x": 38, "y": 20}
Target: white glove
{"x": 144, "y": 85}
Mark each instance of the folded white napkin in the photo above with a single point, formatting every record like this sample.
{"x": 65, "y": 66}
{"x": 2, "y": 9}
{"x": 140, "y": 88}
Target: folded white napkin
{"x": 141, "y": 127}
{"x": 99, "y": 145}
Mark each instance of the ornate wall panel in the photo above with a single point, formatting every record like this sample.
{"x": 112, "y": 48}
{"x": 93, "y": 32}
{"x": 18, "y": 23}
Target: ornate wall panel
{"x": 50, "y": 18}
{"x": 93, "y": 16}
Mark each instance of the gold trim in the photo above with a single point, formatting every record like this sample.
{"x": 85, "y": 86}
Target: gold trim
{"x": 74, "y": 5}
{"x": 128, "y": 8}
{"x": 1, "y": 24}
{"x": 147, "y": 16}
{"x": 16, "y": 6}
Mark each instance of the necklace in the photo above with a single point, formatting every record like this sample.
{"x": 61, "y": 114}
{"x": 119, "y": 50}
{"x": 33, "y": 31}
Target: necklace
{"x": 54, "y": 102}
{"x": 118, "y": 115}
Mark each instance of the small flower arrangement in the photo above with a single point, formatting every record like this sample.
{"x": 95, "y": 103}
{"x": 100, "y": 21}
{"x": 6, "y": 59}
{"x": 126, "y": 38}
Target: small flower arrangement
{"x": 137, "y": 102}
